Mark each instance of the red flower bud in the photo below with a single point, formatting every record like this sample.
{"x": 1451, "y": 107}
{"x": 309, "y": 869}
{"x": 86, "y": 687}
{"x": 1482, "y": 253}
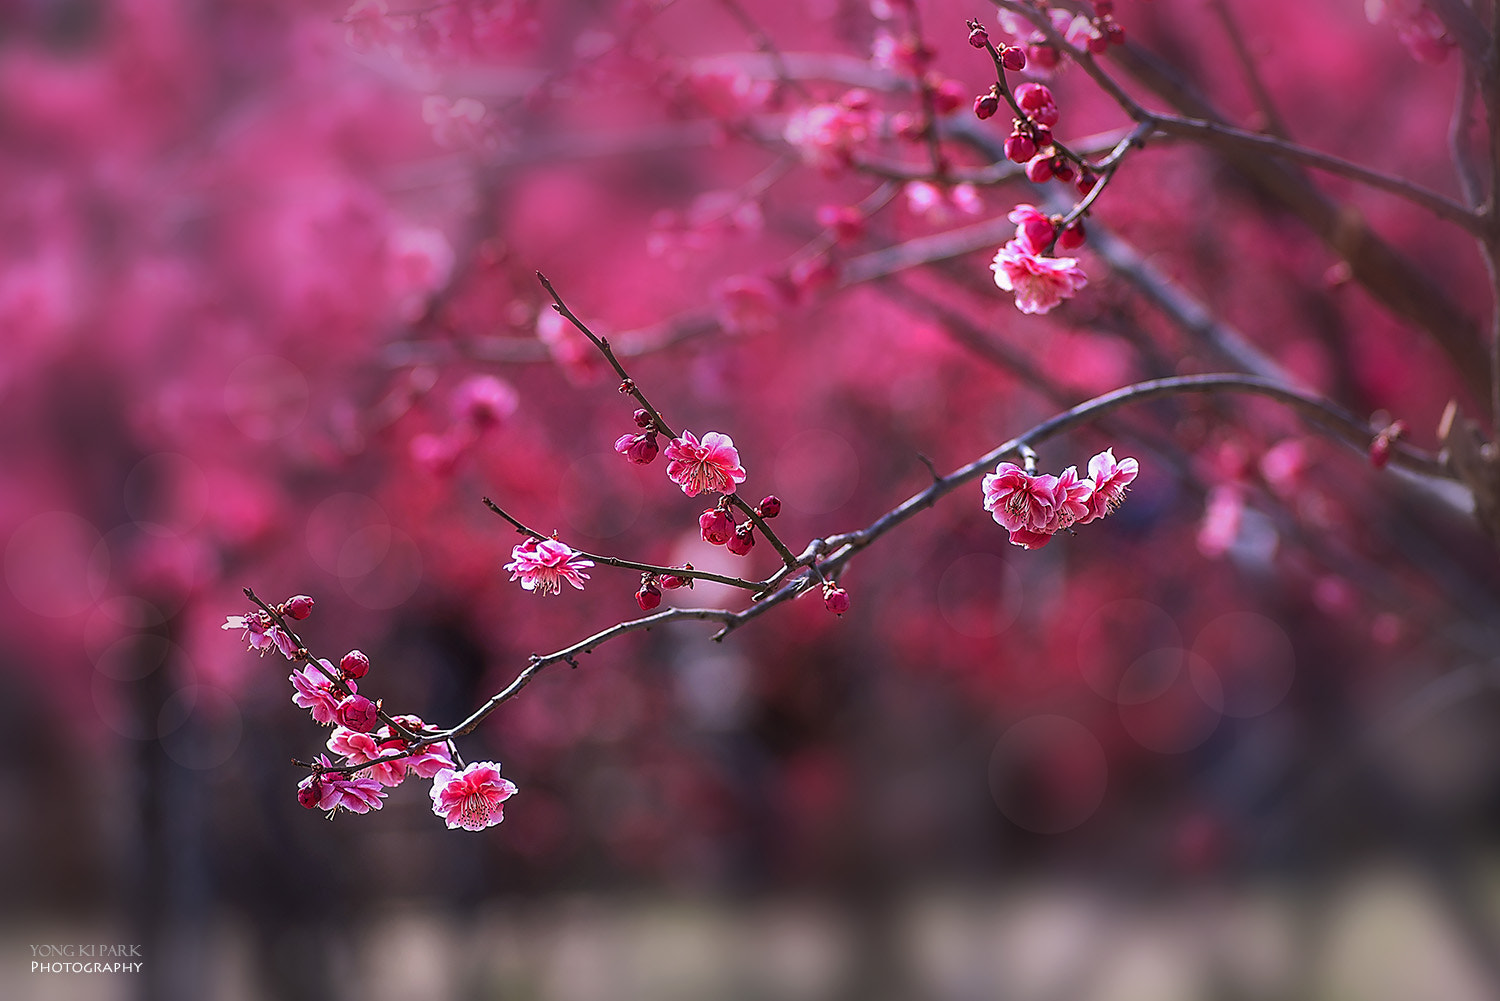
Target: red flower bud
{"x": 1039, "y": 170}
{"x": 835, "y": 599}
{"x": 1072, "y": 238}
{"x": 743, "y": 540}
{"x": 309, "y": 794}
{"x": 717, "y": 526}
{"x": 640, "y": 449}
{"x": 978, "y": 37}
{"x": 1019, "y": 147}
{"x": 1013, "y": 58}
{"x": 985, "y": 106}
{"x": 1042, "y": 56}
{"x": 355, "y": 665}
{"x": 769, "y": 507}
{"x": 648, "y": 597}
{"x": 299, "y": 606}
{"x": 357, "y": 713}
{"x": 642, "y": 418}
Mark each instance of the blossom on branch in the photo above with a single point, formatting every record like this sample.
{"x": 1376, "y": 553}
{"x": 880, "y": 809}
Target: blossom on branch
{"x": 262, "y": 634}
{"x": 332, "y": 790}
{"x": 1019, "y": 500}
{"x": 1034, "y": 507}
{"x": 1111, "y": 481}
{"x": 315, "y": 692}
{"x": 712, "y": 464}
{"x": 542, "y": 565}
{"x": 472, "y": 798}
{"x": 1040, "y": 283}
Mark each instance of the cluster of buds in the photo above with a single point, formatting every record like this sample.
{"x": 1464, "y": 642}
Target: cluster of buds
{"x": 1103, "y": 30}
{"x": 653, "y": 584}
{"x": 719, "y": 528}
{"x": 640, "y": 448}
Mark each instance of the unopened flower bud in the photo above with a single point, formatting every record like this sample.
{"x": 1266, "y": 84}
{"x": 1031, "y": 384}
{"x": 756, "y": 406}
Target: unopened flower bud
{"x": 1062, "y": 169}
{"x": 1013, "y": 58}
{"x": 1019, "y": 147}
{"x": 355, "y": 665}
{"x": 640, "y": 449}
{"x": 835, "y": 599}
{"x": 298, "y": 606}
{"x": 1039, "y": 169}
{"x": 1098, "y": 44}
{"x": 357, "y": 713}
{"x": 1072, "y": 238}
{"x": 1036, "y": 100}
{"x": 1086, "y": 181}
{"x": 1113, "y": 32}
{"x": 308, "y": 793}
{"x": 948, "y": 96}
{"x": 1042, "y": 56}
{"x": 743, "y": 540}
{"x": 648, "y": 597}
{"x": 769, "y": 507}
{"x": 978, "y": 37}
{"x": 985, "y": 106}
{"x": 670, "y": 582}
{"x": 642, "y": 418}
{"x": 717, "y": 526}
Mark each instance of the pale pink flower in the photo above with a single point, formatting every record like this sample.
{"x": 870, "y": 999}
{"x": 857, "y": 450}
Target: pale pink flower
{"x": 748, "y": 305}
{"x": 1020, "y": 500}
{"x": 1073, "y": 495}
{"x": 936, "y": 205}
{"x": 358, "y": 748}
{"x": 542, "y": 566}
{"x": 1111, "y": 481}
{"x": 1221, "y": 520}
{"x": 828, "y": 134}
{"x": 262, "y": 634}
{"x": 1040, "y": 283}
{"x": 358, "y": 793}
{"x": 455, "y": 123}
{"x": 712, "y": 464}
{"x": 472, "y": 798}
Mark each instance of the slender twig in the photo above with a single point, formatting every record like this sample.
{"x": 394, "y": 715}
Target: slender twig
{"x": 303, "y": 656}
{"x": 627, "y": 385}
{"x": 615, "y": 561}
{"x": 1219, "y": 134}
{"x": 1275, "y": 124}
{"x": 1459, "y": 146}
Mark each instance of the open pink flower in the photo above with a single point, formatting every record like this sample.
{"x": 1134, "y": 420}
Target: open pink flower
{"x": 315, "y": 692}
{"x": 712, "y": 464}
{"x": 262, "y": 634}
{"x": 358, "y": 793}
{"x": 542, "y": 566}
{"x": 1111, "y": 481}
{"x": 426, "y": 762}
{"x": 1020, "y": 500}
{"x": 358, "y": 748}
{"x": 472, "y": 798}
{"x": 1040, "y": 283}
{"x": 1073, "y": 494}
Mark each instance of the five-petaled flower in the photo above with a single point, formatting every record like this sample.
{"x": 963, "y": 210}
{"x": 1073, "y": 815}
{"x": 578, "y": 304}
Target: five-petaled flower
{"x": 1040, "y": 283}
{"x": 1020, "y": 500}
{"x": 329, "y": 791}
{"x": 315, "y": 692}
{"x": 541, "y": 565}
{"x": 472, "y": 798}
{"x": 1111, "y": 481}
{"x": 262, "y": 634}
{"x": 710, "y": 464}
{"x": 1035, "y": 507}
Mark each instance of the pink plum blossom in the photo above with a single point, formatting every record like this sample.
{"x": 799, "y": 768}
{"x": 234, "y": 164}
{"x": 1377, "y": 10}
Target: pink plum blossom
{"x": 827, "y": 134}
{"x": 712, "y": 464}
{"x": 1073, "y": 494}
{"x": 472, "y": 798}
{"x": 1111, "y": 481}
{"x": 356, "y": 793}
{"x": 542, "y": 565}
{"x": 1040, "y": 283}
{"x": 357, "y": 748}
{"x": 1020, "y": 500}
{"x": 315, "y": 692}
{"x": 262, "y": 634}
